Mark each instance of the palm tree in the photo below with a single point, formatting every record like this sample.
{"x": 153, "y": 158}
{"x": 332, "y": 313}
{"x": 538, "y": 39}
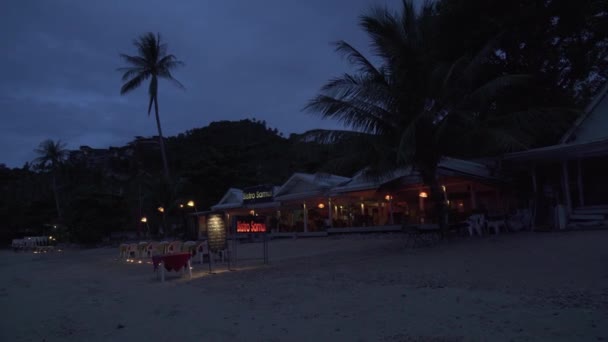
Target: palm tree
{"x": 151, "y": 62}
{"x": 51, "y": 155}
{"x": 415, "y": 108}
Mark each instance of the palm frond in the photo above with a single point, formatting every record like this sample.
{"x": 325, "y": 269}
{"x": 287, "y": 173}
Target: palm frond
{"x": 129, "y": 73}
{"x": 357, "y": 59}
{"x": 356, "y": 86}
{"x": 386, "y": 34}
{"x": 166, "y": 74}
{"x": 50, "y": 153}
{"x": 354, "y": 113}
{"x": 133, "y": 83}
{"x": 135, "y": 61}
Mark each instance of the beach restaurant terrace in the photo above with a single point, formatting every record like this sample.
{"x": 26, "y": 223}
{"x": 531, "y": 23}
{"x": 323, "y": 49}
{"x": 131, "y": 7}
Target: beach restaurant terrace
{"x": 321, "y": 203}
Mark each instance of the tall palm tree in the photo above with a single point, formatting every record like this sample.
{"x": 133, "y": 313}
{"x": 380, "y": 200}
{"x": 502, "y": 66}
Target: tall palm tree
{"x": 415, "y": 108}
{"x": 151, "y": 62}
{"x": 51, "y": 155}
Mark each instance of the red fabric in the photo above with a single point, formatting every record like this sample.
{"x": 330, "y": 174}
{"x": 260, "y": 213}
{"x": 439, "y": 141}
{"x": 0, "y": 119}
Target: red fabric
{"x": 171, "y": 261}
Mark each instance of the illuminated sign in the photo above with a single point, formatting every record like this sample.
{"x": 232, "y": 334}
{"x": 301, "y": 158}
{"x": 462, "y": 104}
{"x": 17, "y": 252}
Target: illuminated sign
{"x": 216, "y": 232}
{"x": 257, "y": 194}
{"x": 251, "y": 224}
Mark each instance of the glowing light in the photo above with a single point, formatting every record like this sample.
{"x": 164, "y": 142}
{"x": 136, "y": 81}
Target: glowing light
{"x": 251, "y": 212}
{"x": 388, "y": 197}
{"x": 139, "y": 262}
{"x": 181, "y": 205}
{"x": 161, "y": 209}
{"x": 423, "y": 194}
{"x": 443, "y": 188}
{"x": 190, "y": 203}
{"x": 321, "y": 205}
{"x": 144, "y": 219}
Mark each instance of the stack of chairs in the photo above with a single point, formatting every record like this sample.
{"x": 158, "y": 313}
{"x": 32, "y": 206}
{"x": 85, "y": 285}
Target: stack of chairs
{"x": 146, "y": 249}
{"x": 34, "y": 243}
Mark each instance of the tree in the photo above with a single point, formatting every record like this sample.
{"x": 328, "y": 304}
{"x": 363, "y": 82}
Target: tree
{"x": 418, "y": 106}
{"x": 51, "y": 155}
{"x": 151, "y": 62}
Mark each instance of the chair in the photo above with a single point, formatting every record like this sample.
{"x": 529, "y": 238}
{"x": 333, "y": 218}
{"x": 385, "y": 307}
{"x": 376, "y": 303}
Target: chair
{"x": 142, "y": 248}
{"x": 189, "y": 246}
{"x": 475, "y": 223}
{"x": 164, "y": 245}
{"x": 132, "y": 250}
{"x": 202, "y": 248}
{"x": 153, "y": 248}
{"x": 124, "y": 250}
{"x": 18, "y": 244}
{"x": 174, "y": 247}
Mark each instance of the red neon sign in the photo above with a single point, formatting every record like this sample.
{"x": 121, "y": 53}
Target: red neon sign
{"x": 250, "y": 227}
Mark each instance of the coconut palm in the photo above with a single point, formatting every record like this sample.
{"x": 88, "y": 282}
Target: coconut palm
{"x": 415, "y": 108}
{"x": 51, "y": 155}
{"x": 151, "y": 62}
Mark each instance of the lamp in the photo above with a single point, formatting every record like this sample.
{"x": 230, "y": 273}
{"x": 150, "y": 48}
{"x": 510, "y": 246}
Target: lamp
{"x": 423, "y": 194}
{"x": 192, "y": 205}
{"x": 145, "y": 220}
{"x": 321, "y": 206}
{"x": 161, "y": 209}
{"x": 388, "y": 197}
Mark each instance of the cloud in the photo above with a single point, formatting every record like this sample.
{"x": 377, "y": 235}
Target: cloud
{"x": 243, "y": 59}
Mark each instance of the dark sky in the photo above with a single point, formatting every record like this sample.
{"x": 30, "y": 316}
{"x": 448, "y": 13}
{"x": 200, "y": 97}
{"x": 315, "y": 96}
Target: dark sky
{"x": 59, "y": 58}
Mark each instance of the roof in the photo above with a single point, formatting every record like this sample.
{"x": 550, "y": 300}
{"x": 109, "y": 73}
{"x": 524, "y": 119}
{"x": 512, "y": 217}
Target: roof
{"x": 303, "y": 185}
{"x": 593, "y": 123}
{"x": 577, "y": 150}
{"x": 233, "y": 198}
{"x": 362, "y": 182}
{"x": 586, "y": 138}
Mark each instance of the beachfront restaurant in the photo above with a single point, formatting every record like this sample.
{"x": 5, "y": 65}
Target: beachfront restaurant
{"x": 320, "y": 203}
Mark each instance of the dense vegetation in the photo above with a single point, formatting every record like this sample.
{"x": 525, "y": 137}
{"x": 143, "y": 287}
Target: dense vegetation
{"x": 102, "y": 192}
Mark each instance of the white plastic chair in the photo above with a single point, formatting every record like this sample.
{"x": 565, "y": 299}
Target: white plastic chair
{"x": 202, "y": 248}
{"x": 174, "y": 247}
{"x": 475, "y": 224}
{"x": 132, "y": 250}
{"x": 142, "y": 248}
{"x": 153, "y": 248}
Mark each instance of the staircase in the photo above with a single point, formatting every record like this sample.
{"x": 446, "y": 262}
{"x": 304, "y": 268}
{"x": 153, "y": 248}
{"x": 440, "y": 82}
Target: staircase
{"x": 588, "y": 217}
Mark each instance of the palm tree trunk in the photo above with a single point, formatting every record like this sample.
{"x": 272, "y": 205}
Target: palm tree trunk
{"x": 56, "y": 194}
{"x": 429, "y": 177}
{"x": 161, "y": 141}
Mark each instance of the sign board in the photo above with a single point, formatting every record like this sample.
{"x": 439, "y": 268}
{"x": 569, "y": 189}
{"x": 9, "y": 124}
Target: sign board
{"x": 216, "y": 232}
{"x": 251, "y": 224}
{"x": 258, "y": 194}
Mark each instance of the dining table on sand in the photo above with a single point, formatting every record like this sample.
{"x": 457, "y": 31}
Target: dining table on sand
{"x": 172, "y": 262}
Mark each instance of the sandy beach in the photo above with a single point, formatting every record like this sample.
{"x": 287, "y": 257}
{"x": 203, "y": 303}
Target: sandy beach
{"x": 512, "y": 287}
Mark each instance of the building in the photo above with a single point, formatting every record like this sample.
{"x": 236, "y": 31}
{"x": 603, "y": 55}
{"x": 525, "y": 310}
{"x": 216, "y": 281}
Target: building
{"x": 321, "y": 203}
{"x": 571, "y": 174}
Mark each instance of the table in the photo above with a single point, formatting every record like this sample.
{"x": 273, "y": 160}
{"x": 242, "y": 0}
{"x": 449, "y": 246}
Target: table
{"x": 172, "y": 262}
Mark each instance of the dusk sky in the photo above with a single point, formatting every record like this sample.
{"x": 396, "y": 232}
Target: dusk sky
{"x": 243, "y": 60}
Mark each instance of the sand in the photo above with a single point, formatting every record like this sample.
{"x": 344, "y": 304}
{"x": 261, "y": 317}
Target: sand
{"x": 512, "y": 287}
